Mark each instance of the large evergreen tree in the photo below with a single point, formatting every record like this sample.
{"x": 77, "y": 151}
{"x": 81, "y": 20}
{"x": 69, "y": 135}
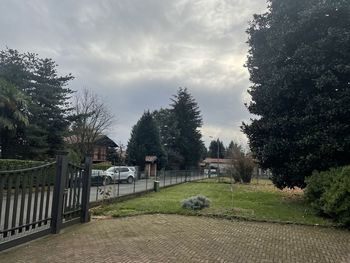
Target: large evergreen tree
{"x": 145, "y": 140}
{"x": 48, "y": 107}
{"x": 167, "y": 123}
{"x": 299, "y": 64}
{"x": 214, "y": 150}
{"x": 187, "y": 142}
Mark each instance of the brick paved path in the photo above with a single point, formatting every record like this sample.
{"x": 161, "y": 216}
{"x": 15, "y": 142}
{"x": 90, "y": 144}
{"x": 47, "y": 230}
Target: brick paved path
{"x": 171, "y": 238}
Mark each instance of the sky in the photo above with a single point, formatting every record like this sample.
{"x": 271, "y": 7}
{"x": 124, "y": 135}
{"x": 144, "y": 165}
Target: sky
{"x": 135, "y": 54}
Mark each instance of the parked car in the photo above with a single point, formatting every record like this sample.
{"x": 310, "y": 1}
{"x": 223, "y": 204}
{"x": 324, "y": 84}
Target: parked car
{"x": 210, "y": 171}
{"x": 121, "y": 173}
{"x": 99, "y": 177}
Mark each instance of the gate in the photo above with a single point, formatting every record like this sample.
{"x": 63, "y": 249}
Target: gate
{"x": 38, "y": 201}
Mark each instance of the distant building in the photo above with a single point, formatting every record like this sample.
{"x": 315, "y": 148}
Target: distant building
{"x": 151, "y": 165}
{"x": 100, "y": 148}
{"x": 214, "y": 163}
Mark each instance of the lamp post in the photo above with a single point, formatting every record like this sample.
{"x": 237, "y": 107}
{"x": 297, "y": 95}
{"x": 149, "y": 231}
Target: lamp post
{"x": 217, "y": 156}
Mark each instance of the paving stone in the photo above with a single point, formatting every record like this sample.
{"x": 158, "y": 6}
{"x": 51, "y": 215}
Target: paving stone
{"x": 172, "y": 238}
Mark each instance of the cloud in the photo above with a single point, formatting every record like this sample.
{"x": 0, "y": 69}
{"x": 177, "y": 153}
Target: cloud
{"x": 135, "y": 54}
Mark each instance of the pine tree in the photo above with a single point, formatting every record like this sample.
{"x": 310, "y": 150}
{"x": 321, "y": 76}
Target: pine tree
{"x": 145, "y": 140}
{"x": 187, "y": 142}
{"x": 213, "y": 149}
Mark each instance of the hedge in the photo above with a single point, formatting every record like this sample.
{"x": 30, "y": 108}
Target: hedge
{"x": 15, "y": 164}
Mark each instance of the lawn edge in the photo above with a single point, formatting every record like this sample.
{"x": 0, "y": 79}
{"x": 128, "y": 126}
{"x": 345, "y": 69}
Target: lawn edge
{"x": 231, "y": 218}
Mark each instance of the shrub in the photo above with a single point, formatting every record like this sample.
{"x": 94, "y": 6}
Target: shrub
{"x": 329, "y": 193}
{"x": 337, "y": 197}
{"x": 317, "y": 185}
{"x": 196, "y": 202}
{"x": 245, "y": 168}
{"x": 14, "y": 164}
{"x": 236, "y": 177}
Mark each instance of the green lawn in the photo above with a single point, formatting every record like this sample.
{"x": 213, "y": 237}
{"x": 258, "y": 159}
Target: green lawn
{"x": 257, "y": 201}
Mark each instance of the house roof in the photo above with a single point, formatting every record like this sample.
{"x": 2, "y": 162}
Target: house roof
{"x": 102, "y": 140}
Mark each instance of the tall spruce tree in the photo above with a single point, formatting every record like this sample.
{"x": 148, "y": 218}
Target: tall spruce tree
{"x": 145, "y": 140}
{"x": 299, "y": 64}
{"x": 167, "y": 124}
{"x": 187, "y": 142}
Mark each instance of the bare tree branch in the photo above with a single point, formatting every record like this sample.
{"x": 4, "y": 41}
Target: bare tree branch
{"x": 92, "y": 118}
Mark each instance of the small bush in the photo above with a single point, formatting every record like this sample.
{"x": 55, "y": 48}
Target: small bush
{"x": 329, "y": 193}
{"x": 242, "y": 169}
{"x": 236, "y": 177}
{"x": 196, "y": 202}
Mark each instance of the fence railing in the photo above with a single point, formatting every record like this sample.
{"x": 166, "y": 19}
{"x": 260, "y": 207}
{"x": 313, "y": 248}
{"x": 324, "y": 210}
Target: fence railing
{"x": 25, "y": 200}
{"x": 117, "y": 188}
{"x": 41, "y": 200}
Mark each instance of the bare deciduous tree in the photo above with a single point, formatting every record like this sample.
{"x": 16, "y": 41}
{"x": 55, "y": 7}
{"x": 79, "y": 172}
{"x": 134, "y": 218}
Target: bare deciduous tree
{"x": 92, "y": 118}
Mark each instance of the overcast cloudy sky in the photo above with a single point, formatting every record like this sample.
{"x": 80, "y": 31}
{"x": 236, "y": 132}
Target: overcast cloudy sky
{"x": 136, "y": 53}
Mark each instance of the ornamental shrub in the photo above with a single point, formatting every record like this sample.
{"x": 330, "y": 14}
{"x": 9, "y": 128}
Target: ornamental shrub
{"x": 317, "y": 185}
{"x": 196, "y": 202}
{"x": 329, "y": 193}
{"x": 337, "y": 197}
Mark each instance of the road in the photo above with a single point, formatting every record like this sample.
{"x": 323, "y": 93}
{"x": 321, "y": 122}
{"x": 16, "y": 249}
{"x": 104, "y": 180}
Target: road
{"x": 116, "y": 190}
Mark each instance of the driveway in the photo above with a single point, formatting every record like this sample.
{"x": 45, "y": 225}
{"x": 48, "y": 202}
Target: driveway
{"x": 172, "y": 238}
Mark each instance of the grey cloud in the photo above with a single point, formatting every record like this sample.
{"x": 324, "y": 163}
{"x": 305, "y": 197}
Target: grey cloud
{"x": 135, "y": 54}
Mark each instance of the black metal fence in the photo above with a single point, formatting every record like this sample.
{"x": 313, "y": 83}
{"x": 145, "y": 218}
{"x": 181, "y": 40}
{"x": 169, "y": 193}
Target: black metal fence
{"x": 142, "y": 183}
{"x": 38, "y": 201}
{"x": 41, "y": 200}
{"x": 25, "y": 200}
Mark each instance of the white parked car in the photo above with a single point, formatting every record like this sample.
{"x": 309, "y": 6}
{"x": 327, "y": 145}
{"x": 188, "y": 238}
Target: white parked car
{"x": 121, "y": 173}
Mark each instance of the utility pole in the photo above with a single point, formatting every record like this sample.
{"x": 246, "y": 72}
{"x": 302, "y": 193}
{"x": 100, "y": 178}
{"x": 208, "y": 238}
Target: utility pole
{"x": 218, "y": 155}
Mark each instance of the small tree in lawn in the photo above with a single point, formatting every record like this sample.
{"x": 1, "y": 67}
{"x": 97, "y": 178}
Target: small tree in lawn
{"x": 242, "y": 164}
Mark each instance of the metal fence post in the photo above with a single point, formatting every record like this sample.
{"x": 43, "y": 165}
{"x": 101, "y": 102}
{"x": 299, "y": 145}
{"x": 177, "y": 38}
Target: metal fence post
{"x": 57, "y": 202}
{"x": 164, "y": 177}
{"x": 119, "y": 182}
{"x": 135, "y": 183}
{"x": 85, "y": 216}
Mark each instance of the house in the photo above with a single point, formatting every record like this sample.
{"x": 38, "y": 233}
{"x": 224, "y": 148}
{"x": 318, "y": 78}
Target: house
{"x": 215, "y": 163}
{"x": 101, "y": 146}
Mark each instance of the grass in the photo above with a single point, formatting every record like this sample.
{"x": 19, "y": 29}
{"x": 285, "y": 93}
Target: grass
{"x": 257, "y": 201}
